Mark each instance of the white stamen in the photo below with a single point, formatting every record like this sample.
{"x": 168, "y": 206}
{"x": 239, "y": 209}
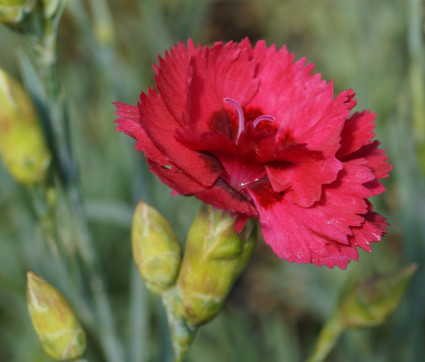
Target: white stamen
{"x": 262, "y": 118}
{"x": 241, "y": 117}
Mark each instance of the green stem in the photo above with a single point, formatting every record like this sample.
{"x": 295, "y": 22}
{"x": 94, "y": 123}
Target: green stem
{"x": 138, "y": 318}
{"x": 47, "y": 221}
{"x": 416, "y": 74}
{"x": 109, "y": 339}
{"x": 182, "y": 333}
{"x": 45, "y": 54}
{"x": 327, "y": 338}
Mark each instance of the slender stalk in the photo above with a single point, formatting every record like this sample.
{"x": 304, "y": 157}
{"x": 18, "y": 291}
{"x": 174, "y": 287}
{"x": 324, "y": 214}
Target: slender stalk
{"x": 416, "y": 75}
{"x": 109, "y": 339}
{"x": 416, "y": 71}
{"x": 45, "y": 54}
{"x": 327, "y": 338}
{"x": 47, "y": 221}
{"x": 182, "y": 332}
{"x": 138, "y": 319}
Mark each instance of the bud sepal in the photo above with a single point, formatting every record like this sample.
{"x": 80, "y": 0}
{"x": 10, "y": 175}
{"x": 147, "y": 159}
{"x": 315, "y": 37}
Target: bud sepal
{"x": 215, "y": 255}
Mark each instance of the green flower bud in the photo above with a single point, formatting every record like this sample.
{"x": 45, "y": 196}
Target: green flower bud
{"x": 366, "y": 304}
{"x": 215, "y": 255}
{"x": 156, "y": 251}
{"x": 13, "y": 12}
{"x": 22, "y": 144}
{"x": 54, "y": 320}
{"x": 182, "y": 333}
{"x": 370, "y": 302}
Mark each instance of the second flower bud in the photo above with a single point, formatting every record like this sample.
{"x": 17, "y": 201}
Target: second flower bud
{"x": 156, "y": 251}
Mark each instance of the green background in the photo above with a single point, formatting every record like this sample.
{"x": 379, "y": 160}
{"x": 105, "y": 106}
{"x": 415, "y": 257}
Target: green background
{"x": 105, "y": 53}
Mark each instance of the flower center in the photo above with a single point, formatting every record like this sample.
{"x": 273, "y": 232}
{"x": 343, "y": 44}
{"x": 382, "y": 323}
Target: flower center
{"x": 241, "y": 118}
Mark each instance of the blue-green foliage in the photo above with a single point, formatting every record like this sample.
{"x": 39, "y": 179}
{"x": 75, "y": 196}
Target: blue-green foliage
{"x": 105, "y": 52}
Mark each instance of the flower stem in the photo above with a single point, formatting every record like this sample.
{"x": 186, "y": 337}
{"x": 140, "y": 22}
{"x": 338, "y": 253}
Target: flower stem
{"x": 182, "y": 332}
{"x": 44, "y": 49}
{"x": 416, "y": 74}
{"x": 327, "y": 338}
{"x": 138, "y": 318}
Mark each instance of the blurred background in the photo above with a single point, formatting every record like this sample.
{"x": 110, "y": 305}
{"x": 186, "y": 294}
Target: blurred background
{"x": 105, "y": 53}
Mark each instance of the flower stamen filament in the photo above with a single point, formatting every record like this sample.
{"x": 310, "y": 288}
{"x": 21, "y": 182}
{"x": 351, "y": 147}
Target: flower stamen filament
{"x": 241, "y": 118}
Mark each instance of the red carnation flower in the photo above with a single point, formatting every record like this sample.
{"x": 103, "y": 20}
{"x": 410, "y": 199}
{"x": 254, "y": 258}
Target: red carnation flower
{"x": 251, "y": 131}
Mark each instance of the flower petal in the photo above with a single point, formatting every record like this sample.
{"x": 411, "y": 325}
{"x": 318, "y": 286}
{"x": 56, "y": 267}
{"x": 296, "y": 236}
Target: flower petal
{"x": 377, "y": 163}
{"x": 281, "y": 78}
{"x": 223, "y": 71}
{"x": 301, "y": 103}
{"x": 303, "y": 180}
{"x": 302, "y": 234}
{"x": 324, "y": 135}
{"x": 370, "y": 231}
{"x": 179, "y": 181}
{"x": 377, "y": 159}
{"x": 357, "y": 131}
{"x": 240, "y": 222}
{"x": 129, "y": 123}
{"x": 160, "y": 126}
{"x": 225, "y": 197}
{"x": 171, "y": 78}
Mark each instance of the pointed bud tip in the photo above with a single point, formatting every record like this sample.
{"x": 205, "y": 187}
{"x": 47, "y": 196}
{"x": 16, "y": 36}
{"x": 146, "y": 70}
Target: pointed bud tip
{"x": 31, "y": 277}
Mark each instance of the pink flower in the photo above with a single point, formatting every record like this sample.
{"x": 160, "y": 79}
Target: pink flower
{"x": 251, "y": 131}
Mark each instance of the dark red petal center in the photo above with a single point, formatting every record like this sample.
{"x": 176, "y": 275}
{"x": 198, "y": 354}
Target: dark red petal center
{"x": 239, "y": 126}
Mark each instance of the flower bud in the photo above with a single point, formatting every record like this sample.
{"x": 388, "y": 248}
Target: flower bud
{"x": 22, "y": 144}
{"x": 370, "y": 302}
{"x": 54, "y": 320}
{"x": 156, "y": 251}
{"x": 366, "y": 304}
{"x": 215, "y": 255}
{"x": 13, "y": 12}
